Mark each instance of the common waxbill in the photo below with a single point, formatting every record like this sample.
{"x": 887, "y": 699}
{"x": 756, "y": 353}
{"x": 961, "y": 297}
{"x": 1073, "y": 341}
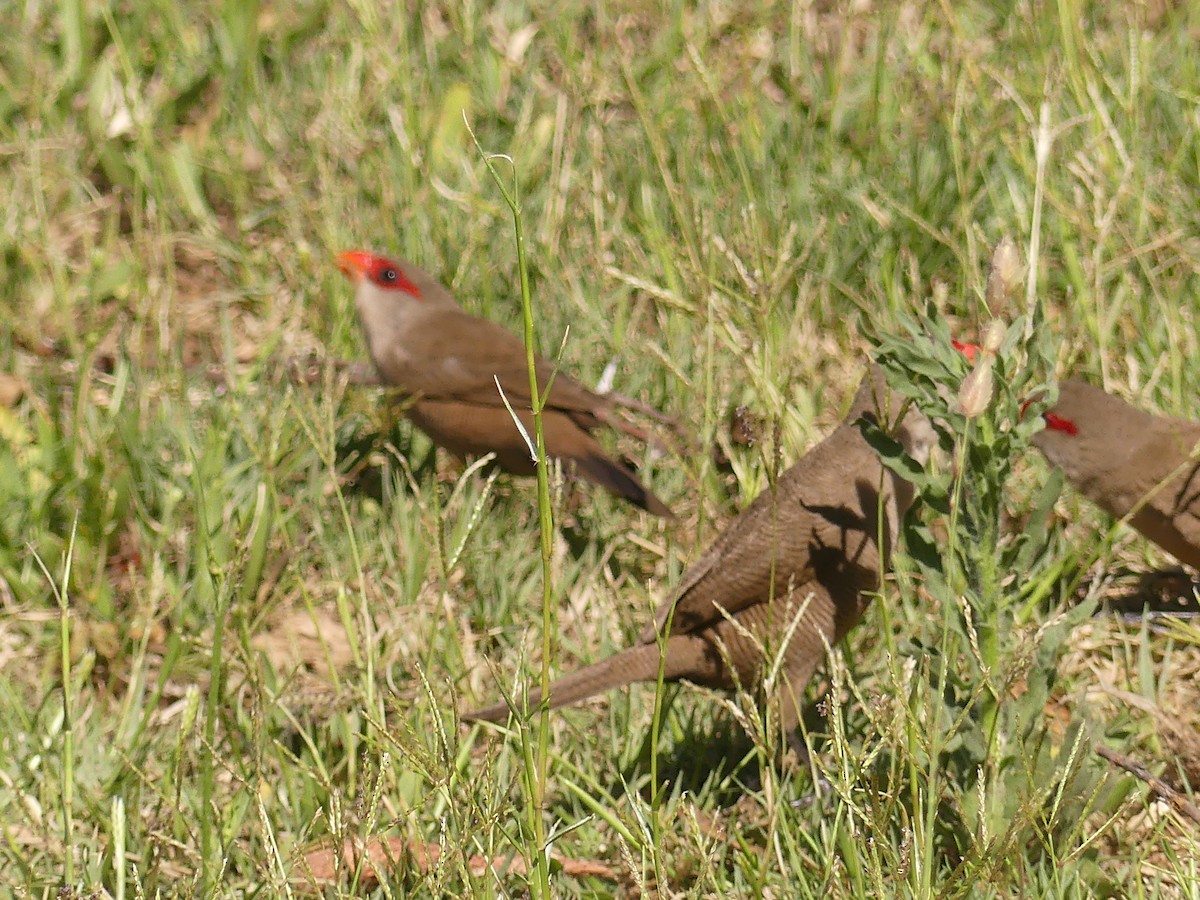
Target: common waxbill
{"x": 422, "y": 342}
{"x": 797, "y": 567}
{"x": 1124, "y": 459}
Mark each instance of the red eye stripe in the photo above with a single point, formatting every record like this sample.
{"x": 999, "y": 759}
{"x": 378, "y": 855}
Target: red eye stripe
{"x": 1056, "y": 422}
{"x": 389, "y": 277}
{"x": 382, "y": 272}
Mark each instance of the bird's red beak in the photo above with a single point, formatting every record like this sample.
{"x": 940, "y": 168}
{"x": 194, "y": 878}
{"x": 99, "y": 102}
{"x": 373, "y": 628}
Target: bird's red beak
{"x": 355, "y": 264}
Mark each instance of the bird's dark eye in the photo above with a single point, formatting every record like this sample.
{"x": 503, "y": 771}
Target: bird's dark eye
{"x": 388, "y": 275}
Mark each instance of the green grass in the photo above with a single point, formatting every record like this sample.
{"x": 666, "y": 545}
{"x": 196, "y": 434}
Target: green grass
{"x": 723, "y": 200}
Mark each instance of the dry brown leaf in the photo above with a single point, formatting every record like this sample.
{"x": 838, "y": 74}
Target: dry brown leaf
{"x": 314, "y": 640}
{"x": 12, "y": 389}
{"x": 322, "y": 864}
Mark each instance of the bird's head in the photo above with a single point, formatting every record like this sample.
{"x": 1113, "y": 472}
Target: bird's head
{"x": 390, "y": 298}
{"x": 379, "y": 272}
{"x": 875, "y": 400}
{"x": 380, "y": 283}
{"x": 1070, "y": 425}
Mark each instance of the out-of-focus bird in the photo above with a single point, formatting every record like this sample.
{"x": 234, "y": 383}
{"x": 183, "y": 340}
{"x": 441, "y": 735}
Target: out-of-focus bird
{"x": 449, "y": 362}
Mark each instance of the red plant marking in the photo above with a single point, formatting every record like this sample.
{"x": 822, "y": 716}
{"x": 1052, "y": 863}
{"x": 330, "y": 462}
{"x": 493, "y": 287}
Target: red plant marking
{"x": 970, "y": 351}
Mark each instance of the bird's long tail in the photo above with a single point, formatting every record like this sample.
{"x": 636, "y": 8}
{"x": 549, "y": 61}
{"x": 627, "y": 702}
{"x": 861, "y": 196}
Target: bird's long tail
{"x": 619, "y": 480}
{"x": 639, "y": 663}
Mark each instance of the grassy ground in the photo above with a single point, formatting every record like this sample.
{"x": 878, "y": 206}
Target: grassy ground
{"x": 237, "y": 615}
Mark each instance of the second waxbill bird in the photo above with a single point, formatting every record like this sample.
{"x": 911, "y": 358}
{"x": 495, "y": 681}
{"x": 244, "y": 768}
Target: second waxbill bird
{"x": 422, "y": 342}
{"x": 1125, "y": 460}
{"x": 789, "y": 576}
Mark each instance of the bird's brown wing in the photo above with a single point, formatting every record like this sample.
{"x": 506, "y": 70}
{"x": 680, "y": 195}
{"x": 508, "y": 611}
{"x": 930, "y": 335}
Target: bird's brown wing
{"x": 463, "y": 356}
{"x": 821, "y": 511}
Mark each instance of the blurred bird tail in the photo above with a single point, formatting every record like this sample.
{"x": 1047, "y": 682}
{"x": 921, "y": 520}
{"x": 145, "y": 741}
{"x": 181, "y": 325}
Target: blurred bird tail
{"x": 620, "y": 481}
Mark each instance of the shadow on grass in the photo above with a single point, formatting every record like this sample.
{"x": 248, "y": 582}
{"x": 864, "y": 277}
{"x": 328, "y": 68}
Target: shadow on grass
{"x": 1172, "y": 591}
{"x": 713, "y": 757}
{"x": 365, "y": 460}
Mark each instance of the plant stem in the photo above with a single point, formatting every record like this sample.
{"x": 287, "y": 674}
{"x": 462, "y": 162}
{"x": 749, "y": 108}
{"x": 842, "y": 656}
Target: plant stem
{"x": 536, "y": 779}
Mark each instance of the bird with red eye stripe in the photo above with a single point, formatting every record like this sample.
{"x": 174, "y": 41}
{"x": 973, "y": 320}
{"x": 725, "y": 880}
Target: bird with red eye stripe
{"x": 1129, "y": 463}
{"x": 1125, "y": 460}
{"x": 449, "y": 362}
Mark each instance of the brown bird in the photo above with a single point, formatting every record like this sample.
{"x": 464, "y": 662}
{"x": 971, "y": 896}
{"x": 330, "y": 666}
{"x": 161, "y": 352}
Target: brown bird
{"x": 1126, "y": 460}
{"x": 793, "y": 572}
{"x": 422, "y": 342}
